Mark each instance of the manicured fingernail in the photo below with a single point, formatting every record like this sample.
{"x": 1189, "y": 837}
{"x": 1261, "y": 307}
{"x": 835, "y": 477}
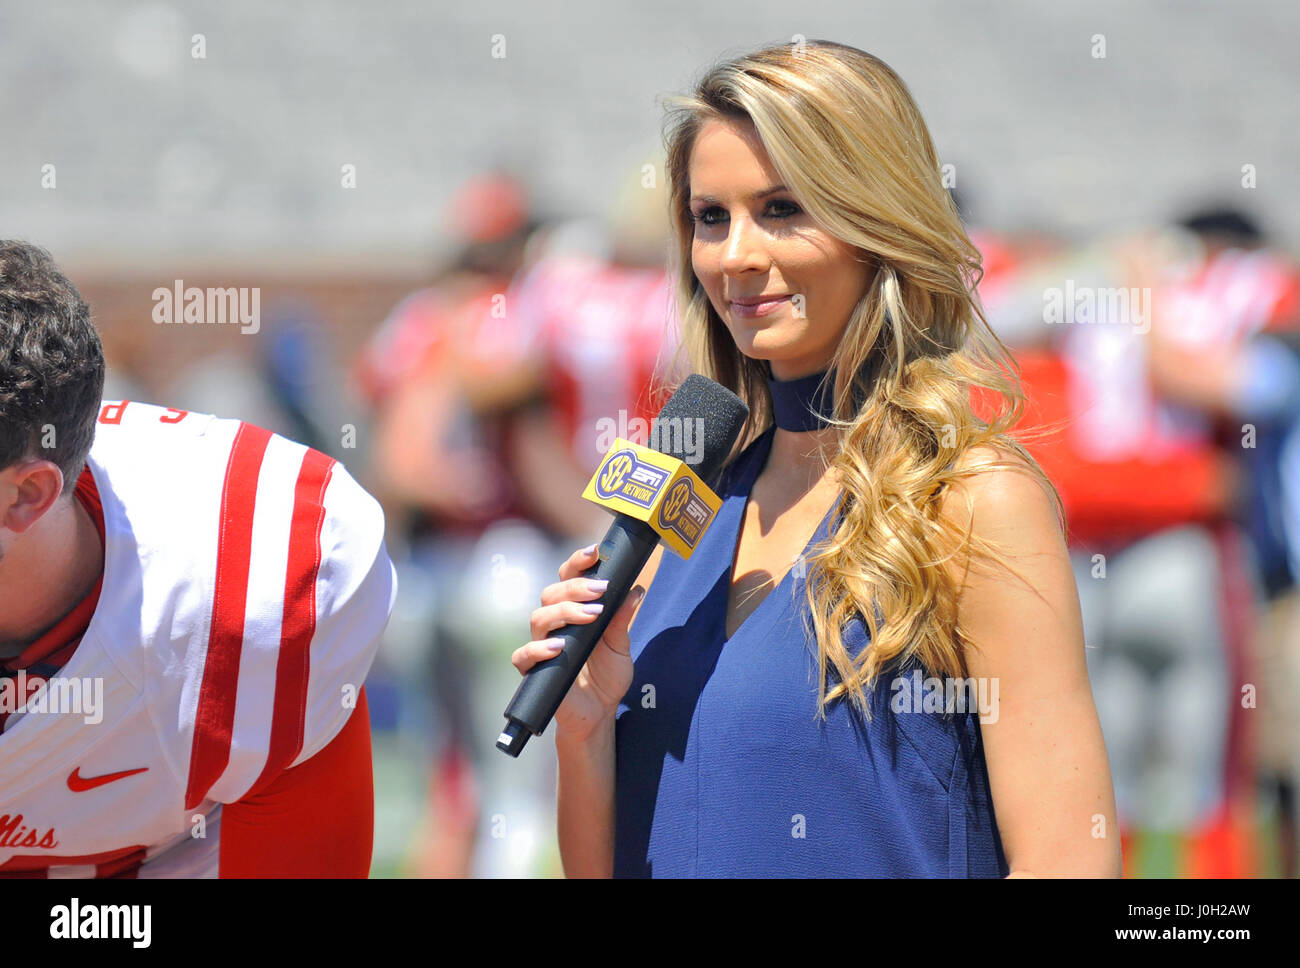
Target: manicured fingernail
{"x": 590, "y": 549}
{"x": 554, "y": 645}
{"x": 596, "y": 587}
{"x": 593, "y": 608}
{"x": 638, "y": 595}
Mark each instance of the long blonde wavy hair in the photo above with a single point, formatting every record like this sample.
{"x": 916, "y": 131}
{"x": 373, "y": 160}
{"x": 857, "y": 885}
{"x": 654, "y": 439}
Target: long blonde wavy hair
{"x": 847, "y": 138}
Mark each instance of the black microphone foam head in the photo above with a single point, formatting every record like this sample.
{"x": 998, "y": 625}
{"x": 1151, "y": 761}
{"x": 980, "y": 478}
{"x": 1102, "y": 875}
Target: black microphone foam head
{"x": 699, "y": 425}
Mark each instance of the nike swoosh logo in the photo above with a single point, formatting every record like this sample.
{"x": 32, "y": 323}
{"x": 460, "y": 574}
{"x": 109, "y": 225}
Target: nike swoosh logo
{"x": 80, "y": 784}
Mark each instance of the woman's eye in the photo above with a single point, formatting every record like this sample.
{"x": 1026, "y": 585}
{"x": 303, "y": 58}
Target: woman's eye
{"x": 775, "y": 209}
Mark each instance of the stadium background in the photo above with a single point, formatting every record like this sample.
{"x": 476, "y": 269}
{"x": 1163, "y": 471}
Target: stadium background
{"x": 228, "y": 170}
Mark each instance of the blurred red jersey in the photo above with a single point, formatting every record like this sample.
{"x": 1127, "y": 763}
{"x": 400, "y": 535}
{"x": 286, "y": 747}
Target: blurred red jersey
{"x": 603, "y": 331}
{"x": 1126, "y": 462}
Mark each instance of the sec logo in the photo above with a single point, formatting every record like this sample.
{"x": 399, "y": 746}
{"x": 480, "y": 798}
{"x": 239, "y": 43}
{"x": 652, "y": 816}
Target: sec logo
{"x": 614, "y": 474}
{"x": 676, "y": 500}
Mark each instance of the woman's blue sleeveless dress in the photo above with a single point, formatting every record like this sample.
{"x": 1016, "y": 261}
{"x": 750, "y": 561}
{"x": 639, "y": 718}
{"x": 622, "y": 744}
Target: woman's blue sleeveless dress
{"x": 723, "y": 769}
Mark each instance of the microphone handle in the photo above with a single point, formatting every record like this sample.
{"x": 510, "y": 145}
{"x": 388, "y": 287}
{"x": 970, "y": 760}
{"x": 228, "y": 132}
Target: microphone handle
{"x": 624, "y": 551}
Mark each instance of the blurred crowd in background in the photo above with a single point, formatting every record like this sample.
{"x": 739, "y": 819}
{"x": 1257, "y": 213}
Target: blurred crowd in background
{"x": 1162, "y": 370}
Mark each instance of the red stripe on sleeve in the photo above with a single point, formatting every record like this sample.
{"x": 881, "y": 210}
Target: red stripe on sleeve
{"x": 214, "y": 721}
{"x": 298, "y": 625}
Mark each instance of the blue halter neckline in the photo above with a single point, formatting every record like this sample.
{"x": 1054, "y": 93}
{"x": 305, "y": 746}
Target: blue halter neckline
{"x": 802, "y": 404}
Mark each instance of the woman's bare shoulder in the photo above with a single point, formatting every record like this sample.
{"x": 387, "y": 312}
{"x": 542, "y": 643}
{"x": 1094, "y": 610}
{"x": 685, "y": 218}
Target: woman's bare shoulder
{"x": 1005, "y": 501}
{"x": 999, "y": 483}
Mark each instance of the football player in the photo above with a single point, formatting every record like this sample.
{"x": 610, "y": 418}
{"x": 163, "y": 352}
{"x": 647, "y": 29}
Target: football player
{"x": 189, "y": 606}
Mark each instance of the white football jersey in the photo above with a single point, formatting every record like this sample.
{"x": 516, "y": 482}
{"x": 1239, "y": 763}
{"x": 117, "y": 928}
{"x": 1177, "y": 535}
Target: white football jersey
{"x": 246, "y": 585}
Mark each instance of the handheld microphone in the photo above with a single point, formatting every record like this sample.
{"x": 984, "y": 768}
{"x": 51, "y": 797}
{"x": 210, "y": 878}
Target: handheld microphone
{"x": 624, "y": 551}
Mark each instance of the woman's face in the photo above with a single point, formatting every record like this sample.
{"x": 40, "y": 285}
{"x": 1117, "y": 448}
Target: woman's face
{"x": 783, "y": 285}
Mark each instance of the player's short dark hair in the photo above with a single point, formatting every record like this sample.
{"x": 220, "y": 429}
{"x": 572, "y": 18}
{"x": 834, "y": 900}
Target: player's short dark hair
{"x": 51, "y": 363}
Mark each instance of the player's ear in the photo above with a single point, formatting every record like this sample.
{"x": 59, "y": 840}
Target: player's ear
{"x": 27, "y": 490}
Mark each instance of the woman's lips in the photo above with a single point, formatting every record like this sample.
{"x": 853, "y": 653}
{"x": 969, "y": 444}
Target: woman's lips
{"x": 761, "y": 308}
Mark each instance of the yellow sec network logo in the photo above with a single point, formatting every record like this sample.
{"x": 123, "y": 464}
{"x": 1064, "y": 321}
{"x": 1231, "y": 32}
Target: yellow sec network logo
{"x": 676, "y": 500}
{"x": 657, "y": 489}
{"x": 615, "y": 472}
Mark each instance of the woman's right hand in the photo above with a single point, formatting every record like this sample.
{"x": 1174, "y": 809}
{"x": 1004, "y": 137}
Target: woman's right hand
{"x": 607, "y": 675}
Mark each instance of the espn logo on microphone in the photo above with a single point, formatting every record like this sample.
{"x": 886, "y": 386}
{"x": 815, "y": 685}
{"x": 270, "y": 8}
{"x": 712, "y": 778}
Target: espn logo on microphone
{"x": 660, "y": 490}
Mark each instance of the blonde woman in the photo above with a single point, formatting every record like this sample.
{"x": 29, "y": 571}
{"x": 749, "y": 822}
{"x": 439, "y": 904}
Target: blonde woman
{"x": 873, "y": 665}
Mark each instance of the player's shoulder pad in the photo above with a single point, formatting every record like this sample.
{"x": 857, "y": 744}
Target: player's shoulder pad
{"x": 255, "y": 580}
